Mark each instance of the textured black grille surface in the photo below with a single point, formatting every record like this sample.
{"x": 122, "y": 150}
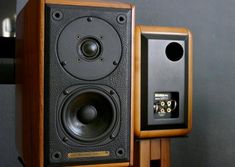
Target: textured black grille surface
{"x": 57, "y": 80}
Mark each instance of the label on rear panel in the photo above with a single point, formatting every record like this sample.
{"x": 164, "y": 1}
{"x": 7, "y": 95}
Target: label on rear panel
{"x": 165, "y": 105}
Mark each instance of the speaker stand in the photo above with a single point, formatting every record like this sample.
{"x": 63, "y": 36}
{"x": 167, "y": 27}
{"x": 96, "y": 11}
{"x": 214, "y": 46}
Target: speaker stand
{"x": 152, "y": 153}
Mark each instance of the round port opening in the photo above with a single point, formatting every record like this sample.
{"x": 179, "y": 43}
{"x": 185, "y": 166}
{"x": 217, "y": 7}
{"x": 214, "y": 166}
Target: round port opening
{"x": 174, "y": 51}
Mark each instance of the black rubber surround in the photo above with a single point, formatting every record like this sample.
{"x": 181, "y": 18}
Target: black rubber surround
{"x": 100, "y": 125}
{"x": 71, "y": 56}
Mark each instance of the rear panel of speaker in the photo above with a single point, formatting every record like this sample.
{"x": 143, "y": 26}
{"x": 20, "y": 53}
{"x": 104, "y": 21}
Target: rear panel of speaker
{"x": 164, "y": 82}
{"x": 87, "y": 85}
{"x": 164, "y": 92}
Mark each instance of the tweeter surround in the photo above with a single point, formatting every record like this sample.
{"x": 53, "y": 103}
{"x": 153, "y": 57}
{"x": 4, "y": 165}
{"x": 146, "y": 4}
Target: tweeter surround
{"x": 87, "y": 44}
{"x": 88, "y": 115}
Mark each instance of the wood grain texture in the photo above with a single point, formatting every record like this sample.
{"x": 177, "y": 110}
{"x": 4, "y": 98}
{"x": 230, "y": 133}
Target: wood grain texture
{"x": 163, "y": 133}
{"x": 91, "y": 3}
{"x": 165, "y": 152}
{"x": 137, "y": 80}
{"x": 147, "y": 150}
{"x": 155, "y": 146}
{"x": 132, "y": 86}
{"x": 144, "y": 153}
{"x": 190, "y": 82}
{"x": 164, "y": 30}
{"x": 30, "y": 81}
{"x": 105, "y": 165}
{"x": 140, "y": 29}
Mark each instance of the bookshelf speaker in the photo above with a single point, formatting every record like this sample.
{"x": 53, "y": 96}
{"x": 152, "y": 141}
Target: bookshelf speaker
{"x": 163, "y": 81}
{"x": 74, "y": 77}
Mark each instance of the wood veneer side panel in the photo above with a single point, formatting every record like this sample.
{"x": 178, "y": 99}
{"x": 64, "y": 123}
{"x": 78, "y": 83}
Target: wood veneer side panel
{"x": 132, "y": 85}
{"x": 190, "y": 80}
{"x": 164, "y": 30}
{"x": 91, "y": 3}
{"x": 41, "y": 81}
{"x": 137, "y": 78}
{"x": 29, "y": 77}
{"x": 165, "y": 133}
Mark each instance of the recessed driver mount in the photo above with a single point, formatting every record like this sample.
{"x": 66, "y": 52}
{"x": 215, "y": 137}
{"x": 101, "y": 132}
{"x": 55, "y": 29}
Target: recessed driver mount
{"x": 89, "y": 53}
{"x": 88, "y": 115}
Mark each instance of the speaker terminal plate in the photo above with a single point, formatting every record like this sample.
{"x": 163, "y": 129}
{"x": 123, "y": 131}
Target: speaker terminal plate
{"x": 166, "y": 105}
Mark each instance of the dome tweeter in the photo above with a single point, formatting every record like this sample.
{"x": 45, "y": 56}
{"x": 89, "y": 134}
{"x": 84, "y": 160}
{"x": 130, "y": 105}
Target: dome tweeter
{"x": 90, "y": 48}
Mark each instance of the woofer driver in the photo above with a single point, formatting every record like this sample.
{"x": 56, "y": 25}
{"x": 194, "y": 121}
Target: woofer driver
{"x": 90, "y": 115}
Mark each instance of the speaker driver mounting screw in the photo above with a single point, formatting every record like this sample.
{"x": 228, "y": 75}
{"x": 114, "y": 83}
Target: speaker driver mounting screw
{"x": 89, "y": 19}
{"x": 63, "y": 63}
{"x": 120, "y": 152}
{"x": 112, "y": 136}
{"x": 56, "y": 156}
{"x": 66, "y": 92}
{"x": 65, "y": 139}
{"x": 115, "y": 63}
{"x": 57, "y": 15}
{"x": 121, "y": 19}
{"x": 111, "y": 92}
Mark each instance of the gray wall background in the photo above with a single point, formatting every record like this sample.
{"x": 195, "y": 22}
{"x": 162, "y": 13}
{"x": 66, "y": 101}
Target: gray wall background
{"x": 212, "y": 22}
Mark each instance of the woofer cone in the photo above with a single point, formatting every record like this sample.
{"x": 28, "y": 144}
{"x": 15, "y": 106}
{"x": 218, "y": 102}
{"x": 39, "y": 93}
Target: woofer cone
{"x": 89, "y": 116}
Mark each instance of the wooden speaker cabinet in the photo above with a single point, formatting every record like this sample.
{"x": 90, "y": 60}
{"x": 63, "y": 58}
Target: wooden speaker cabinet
{"x": 75, "y": 82}
{"x": 163, "y": 81}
